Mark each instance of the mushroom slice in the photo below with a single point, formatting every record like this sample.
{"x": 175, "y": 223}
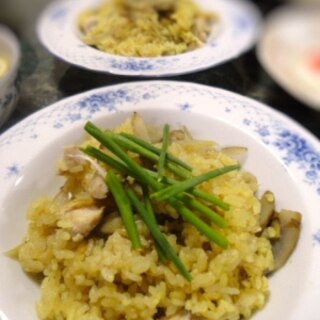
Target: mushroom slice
{"x": 155, "y": 134}
{"x": 187, "y": 133}
{"x": 237, "y": 153}
{"x": 177, "y": 135}
{"x": 267, "y": 207}
{"x": 180, "y": 135}
{"x": 70, "y": 162}
{"x": 139, "y": 127}
{"x": 97, "y": 187}
{"x": 290, "y": 223}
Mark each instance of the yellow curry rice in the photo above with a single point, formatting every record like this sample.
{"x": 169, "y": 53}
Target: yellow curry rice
{"x": 104, "y": 278}
{"x": 120, "y": 28}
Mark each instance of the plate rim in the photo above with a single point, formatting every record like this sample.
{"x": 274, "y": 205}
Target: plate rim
{"x": 78, "y": 95}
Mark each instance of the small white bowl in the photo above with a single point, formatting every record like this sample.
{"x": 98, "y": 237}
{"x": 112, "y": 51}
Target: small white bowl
{"x": 10, "y": 50}
{"x": 288, "y": 49}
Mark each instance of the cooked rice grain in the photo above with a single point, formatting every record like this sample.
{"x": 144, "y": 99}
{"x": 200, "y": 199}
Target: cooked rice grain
{"x": 119, "y": 29}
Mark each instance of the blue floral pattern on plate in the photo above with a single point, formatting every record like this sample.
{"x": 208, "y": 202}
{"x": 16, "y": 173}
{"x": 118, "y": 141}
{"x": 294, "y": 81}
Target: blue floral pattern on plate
{"x": 133, "y": 65}
{"x": 294, "y": 149}
{"x": 13, "y": 171}
{"x": 316, "y": 238}
{"x": 235, "y": 33}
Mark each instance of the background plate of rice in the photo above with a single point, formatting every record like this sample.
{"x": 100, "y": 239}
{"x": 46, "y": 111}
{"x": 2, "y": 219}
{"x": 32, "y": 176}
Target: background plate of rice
{"x": 284, "y": 157}
{"x": 235, "y": 33}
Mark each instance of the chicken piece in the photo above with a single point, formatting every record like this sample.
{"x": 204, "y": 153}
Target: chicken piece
{"x": 71, "y": 160}
{"x": 201, "y": 28}
{"x": 74, "y": 161}
{"x": 79, "y": 217}
{"x": 97, "y": 187}
{"x": 62, "y": 197}
{"x": 89, "y": 24}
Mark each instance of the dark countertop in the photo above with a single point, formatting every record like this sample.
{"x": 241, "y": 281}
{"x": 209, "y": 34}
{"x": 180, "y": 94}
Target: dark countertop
{"x": 45, "y": 79}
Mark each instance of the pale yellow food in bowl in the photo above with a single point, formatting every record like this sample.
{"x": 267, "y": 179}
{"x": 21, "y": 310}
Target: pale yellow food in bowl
{"x": 91, "y": 271}
{"x": 3, "y": 66}
{"x": 9, "y": 65}
{"x": 145, "y": 29}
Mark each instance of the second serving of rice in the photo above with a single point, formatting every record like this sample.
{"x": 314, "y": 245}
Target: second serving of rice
{"x": 104, "y": 278}
{"x": 138, "y": 28}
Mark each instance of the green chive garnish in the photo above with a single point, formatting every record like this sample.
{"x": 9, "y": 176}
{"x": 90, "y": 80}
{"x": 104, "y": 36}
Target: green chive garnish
{"x": 164, "y": 148}
{"x": 203, "y": 228}
{"x": 101, "y": 156}
{"x": 189, "y": 201}
{"x": 204, "y": 210}
{"x": 182, "y": 194}
{"x": 156, "y": 150}
{"x": 197, "y": 193}
{"x": 210, "y": 198}
{"x": 187, "y": 184}
{"x": 149, "y": 208}
{"x": 157, "y": 235}
{"x": 124, "y": 207}
{"x": 106, "y": 139}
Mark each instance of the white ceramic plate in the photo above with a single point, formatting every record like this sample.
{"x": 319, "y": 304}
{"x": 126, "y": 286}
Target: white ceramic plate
{"x": 283, "y": 155}
{"x": 289, "y": 50}
{"x": 238, "y": 29}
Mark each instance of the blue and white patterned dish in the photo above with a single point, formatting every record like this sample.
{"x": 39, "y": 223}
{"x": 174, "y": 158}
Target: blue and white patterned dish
{"x": 283, "y": 155}
{"x": 238, "y": 30}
